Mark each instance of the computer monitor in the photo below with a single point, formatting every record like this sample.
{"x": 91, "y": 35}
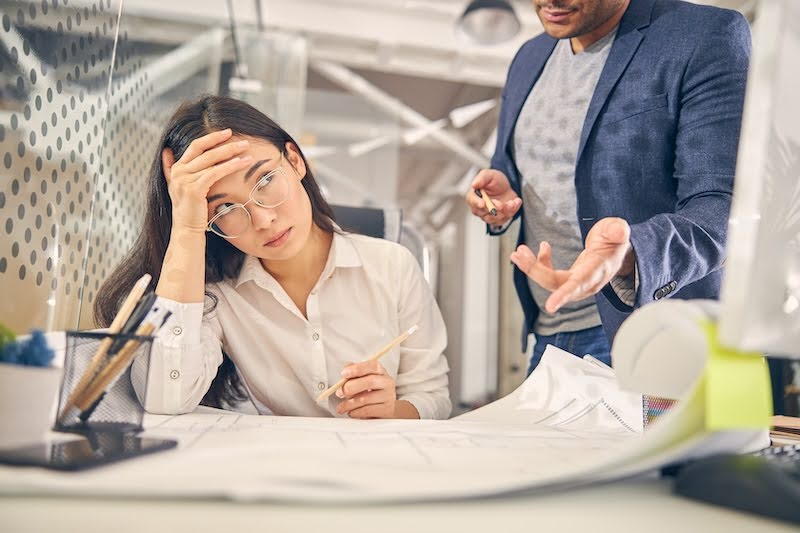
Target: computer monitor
{"x": 761, "y": 288}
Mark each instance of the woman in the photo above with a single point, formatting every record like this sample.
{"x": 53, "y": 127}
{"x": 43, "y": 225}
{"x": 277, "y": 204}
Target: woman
{"x": 293, "y": 301}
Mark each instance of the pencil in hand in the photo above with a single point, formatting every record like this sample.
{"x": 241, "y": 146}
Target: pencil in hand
{"x": 489, "y": 205}
{"x": 374, "y": 357}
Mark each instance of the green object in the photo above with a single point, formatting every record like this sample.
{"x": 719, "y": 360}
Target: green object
{"x": 6, "y": 336}
{"x": 738, "y": 393}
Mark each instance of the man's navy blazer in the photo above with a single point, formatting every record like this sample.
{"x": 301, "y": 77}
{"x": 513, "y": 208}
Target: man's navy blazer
{"x": 658, "y": 146}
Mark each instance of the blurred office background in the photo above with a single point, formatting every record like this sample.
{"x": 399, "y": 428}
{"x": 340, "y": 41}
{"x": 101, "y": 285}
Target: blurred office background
{"x": 394, "y": 108}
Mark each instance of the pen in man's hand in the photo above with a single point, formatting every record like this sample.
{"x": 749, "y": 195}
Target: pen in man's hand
{"x": 489, "y": 205}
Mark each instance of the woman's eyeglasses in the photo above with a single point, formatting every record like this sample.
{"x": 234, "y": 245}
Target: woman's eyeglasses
{"x": 270, "y": 191}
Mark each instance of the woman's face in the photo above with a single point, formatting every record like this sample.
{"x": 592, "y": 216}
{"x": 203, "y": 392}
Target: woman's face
{"x": 275, "y": 233}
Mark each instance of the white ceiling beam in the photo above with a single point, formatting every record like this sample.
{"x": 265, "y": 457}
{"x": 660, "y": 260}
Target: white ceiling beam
{"x": 409, "y": 37}
{"x": 414, "y": 38}
{"x": 358, "y": 85}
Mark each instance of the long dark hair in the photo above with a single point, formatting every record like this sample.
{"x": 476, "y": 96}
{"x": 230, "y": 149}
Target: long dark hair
{"x": 192, "y": 120}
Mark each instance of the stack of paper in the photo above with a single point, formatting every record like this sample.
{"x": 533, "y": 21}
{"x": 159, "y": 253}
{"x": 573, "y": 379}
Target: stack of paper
{"x": 785, "y": 430}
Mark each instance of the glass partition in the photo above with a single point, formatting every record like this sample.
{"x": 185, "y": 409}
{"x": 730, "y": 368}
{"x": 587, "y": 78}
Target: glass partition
{"x": 85, "y": 89}
{"x": 77, "y": 138}
{"x": 55, "y": 59}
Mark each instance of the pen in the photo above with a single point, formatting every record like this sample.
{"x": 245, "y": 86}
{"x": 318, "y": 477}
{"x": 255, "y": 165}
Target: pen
{"x": 119, "y": 321}
{"x": 374, "y": 357}
{"x": 137, "y": 316}
{"x": 489, "y": 205}
{"x": 109, "y": 375}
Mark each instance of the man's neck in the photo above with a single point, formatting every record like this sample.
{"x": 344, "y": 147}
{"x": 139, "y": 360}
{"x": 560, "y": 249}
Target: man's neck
{"x": 582, "y": 42}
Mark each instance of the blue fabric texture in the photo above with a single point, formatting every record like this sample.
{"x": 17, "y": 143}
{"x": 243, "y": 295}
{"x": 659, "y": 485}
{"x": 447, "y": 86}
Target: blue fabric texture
{"x": 590, "y": 341}
{"x": 658, "y": 146}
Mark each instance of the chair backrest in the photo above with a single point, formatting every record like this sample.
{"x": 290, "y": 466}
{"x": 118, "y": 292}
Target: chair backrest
{"x": 371, "y": 221}
{"x": 388, "y": 224}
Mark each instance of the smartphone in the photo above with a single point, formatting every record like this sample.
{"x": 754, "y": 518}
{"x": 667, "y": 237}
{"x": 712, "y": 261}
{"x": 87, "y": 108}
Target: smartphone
{"x": 95, "y": 449}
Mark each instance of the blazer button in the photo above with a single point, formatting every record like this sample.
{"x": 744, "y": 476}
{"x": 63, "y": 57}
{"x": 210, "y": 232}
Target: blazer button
{"x": 658, "y": 294}
{"x": 673, "y": 285}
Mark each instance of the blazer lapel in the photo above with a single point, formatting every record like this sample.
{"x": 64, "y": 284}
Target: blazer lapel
{"x": 625, "y": 45}
{"x": 518, "y": 92}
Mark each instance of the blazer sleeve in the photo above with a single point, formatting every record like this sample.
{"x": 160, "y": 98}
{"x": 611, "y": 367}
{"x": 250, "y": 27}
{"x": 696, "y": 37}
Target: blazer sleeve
{"x": 675, "y": 249}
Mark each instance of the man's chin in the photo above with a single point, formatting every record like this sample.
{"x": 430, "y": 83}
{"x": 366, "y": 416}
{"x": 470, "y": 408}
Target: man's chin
{"x": 557, "y": 31}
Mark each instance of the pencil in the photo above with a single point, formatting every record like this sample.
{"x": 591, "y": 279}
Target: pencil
{"x": 116, "y": 325}
{"x": 489, "y": 205}
{"x": 374, "y": 357}
{"x": 115, "y": 367}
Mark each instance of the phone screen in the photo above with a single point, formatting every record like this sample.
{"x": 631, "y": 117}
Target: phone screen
{"x": 95, "y": 449}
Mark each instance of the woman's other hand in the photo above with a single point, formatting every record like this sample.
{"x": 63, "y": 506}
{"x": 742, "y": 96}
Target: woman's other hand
{"x": 369, "y": 392}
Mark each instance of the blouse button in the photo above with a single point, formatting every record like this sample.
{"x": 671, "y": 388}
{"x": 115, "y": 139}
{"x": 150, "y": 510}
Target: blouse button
{"x": 174, "y": 374}
{"x": 321, "y": 385}
{"x": 177, "y": 330}
{"x": 315, "y": 336}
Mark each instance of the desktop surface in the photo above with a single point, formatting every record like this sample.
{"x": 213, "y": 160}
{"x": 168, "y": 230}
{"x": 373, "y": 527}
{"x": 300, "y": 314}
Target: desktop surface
{"x": 644, "y": 504}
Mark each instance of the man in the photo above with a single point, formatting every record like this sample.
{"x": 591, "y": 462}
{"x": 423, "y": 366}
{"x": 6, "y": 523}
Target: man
{"x": 616, "y": 145}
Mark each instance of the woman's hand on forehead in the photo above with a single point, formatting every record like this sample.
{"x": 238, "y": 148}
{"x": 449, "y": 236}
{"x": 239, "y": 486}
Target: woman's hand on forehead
{"x": 207, "y": 160}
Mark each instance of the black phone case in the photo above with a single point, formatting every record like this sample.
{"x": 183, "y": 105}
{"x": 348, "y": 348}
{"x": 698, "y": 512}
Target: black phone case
{"x": 95, "y": 450}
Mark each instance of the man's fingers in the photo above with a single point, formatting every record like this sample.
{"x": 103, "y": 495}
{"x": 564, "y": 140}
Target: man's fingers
{"x": 616, "y": 231}
{"x": 476, "y": 204}
{"x": 480, "y": 180}
{"x": 545, "y": 255}
{"x": 568, "y": 292}
{"x": 528, "y": 263}
{"x": 586, "y": 277}
{"x": 492, "y": 220}
{"x": 509, "y": 208}
{"x": 491, "y": 182}
{"x": 201, "y": 144}
{"x": 523, "y": 257}
{"x": 503, "y": 212}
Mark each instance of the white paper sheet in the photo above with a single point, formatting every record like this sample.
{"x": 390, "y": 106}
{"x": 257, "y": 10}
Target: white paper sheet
{"x": 569, "y": 392}
{"x": 550, "y": 432}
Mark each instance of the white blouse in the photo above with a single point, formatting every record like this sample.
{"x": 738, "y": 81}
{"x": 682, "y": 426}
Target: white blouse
{"x": 370, "y": 291}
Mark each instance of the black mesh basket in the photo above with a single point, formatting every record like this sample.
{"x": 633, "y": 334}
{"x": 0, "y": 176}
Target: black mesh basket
{"x": 113, "y": 407}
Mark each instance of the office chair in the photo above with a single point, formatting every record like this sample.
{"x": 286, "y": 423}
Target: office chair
{"x": 371, "y": 221}
{"x": 388, "y": 224}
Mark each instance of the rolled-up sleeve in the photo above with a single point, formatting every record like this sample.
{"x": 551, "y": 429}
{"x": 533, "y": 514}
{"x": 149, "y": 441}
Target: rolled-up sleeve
{"x": 422, "y": 374}
{"x": 183, "y": 360}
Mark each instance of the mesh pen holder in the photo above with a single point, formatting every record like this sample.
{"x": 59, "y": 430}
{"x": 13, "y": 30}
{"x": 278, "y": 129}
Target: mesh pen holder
{"x": 107, "y": 402}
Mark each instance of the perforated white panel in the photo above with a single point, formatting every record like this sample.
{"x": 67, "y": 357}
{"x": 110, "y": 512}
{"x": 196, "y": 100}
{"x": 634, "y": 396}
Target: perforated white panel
{"x": 54, "y": 67}
{"x": 74, "y": 155}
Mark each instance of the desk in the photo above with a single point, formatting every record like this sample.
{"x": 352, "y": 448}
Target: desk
{"x": 642, "y": 505}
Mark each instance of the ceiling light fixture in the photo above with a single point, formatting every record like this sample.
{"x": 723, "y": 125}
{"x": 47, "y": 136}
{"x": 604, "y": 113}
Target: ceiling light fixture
{"x": 488, "y": 22}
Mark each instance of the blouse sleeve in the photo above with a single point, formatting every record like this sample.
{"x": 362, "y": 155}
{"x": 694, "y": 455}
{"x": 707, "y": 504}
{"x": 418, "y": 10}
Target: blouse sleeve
{"x": 422, "y": 374}
{"x": 184, "y": 359}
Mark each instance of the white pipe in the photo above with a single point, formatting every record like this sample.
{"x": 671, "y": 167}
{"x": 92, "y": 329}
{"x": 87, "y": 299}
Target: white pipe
{"x": 358, "y": 85}
{"x": 435, "y": 199}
